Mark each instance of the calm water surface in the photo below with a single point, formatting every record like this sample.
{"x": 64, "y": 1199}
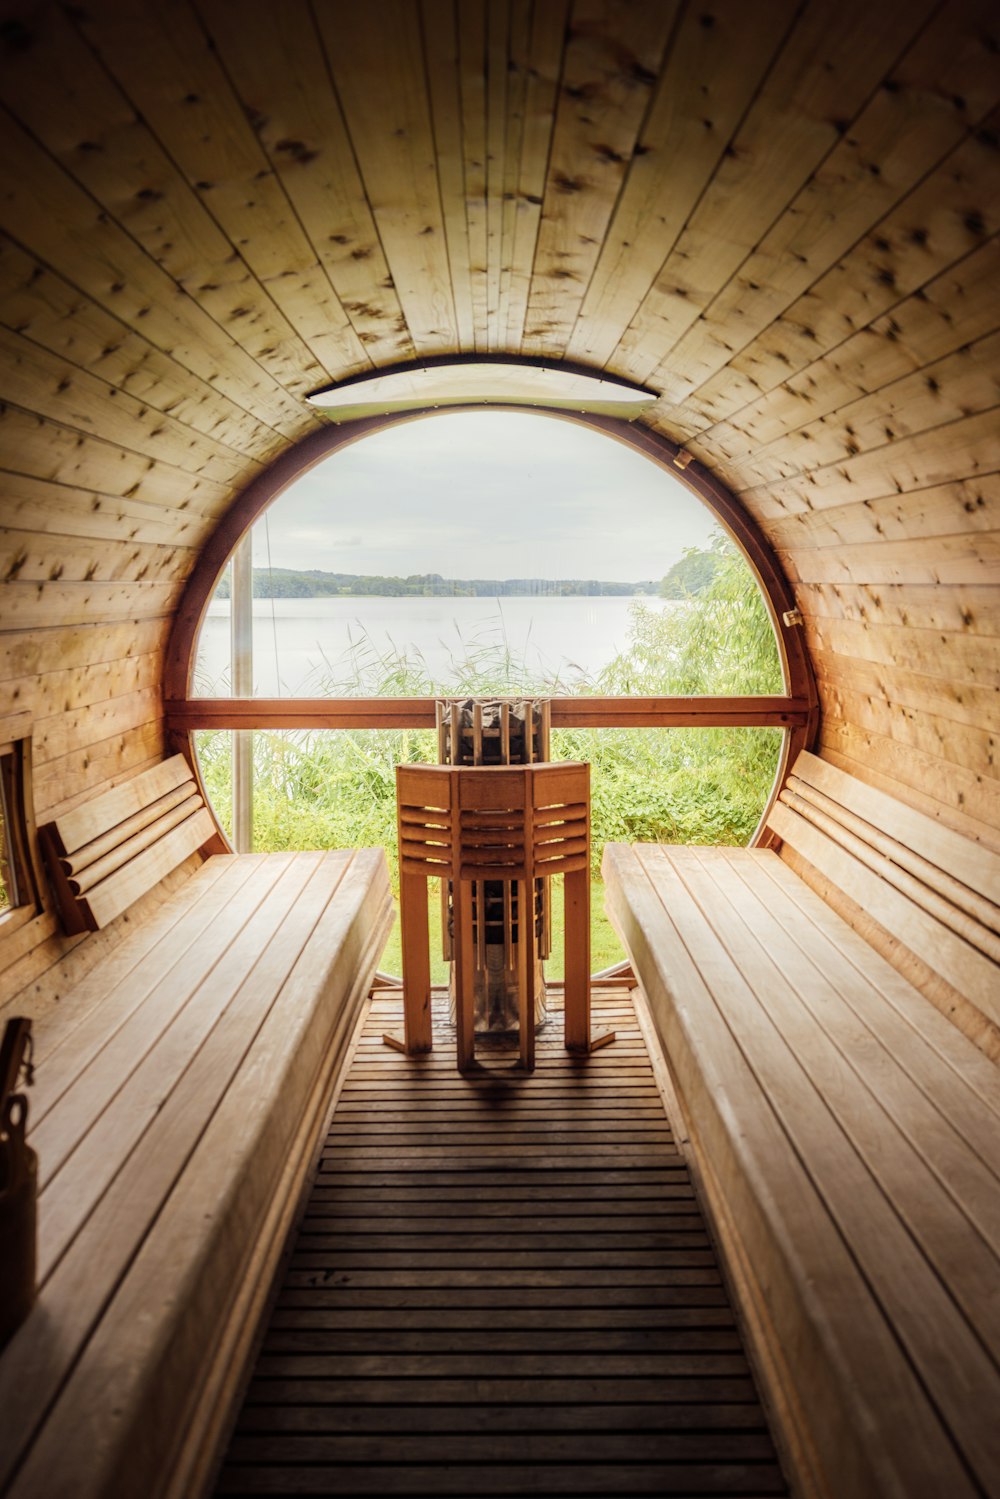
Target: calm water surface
{"x": 305, "y": 647}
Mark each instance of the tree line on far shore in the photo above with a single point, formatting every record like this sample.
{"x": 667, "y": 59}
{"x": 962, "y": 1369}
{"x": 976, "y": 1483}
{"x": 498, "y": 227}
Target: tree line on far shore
{"x": 691, "y": 575}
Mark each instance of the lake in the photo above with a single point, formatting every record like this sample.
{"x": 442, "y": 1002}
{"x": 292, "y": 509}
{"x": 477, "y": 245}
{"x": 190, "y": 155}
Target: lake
{"x": 305, "y": 647}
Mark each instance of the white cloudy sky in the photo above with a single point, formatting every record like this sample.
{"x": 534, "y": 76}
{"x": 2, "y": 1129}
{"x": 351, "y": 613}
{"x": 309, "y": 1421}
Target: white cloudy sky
{"x": 487, "y": 495}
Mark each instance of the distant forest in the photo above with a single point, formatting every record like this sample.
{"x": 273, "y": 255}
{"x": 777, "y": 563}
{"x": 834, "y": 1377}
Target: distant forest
{"x": 284, "y": 583}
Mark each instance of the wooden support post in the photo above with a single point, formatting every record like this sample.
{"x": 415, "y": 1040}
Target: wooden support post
{"x": 577, "y": 965}
{"x": 526, "y": 971}
{"x": 465, "y": 987}
{"x": 417, "y": 1029}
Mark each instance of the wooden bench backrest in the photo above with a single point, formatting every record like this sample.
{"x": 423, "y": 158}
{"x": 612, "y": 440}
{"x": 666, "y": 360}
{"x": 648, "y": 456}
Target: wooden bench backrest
{"x": 105, "y": 854}
{"x": 933, "y": 889}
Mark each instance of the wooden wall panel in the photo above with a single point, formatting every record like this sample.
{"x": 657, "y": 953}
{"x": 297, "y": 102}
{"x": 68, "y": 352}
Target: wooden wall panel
{"x": 786, "y": 217}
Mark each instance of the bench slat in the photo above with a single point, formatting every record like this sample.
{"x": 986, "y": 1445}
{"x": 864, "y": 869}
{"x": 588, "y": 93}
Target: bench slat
{"x": 104, "y": 855}
{"x": 95, "y": 817}
{"x": 942, "y": 949}
{"x": 148, "y": 1009}
{"x": 925, "y": 1169}
{"x": 971, "y": 863}
{"x": 90, "y": 853}
{"x": 223, "y": 1142}
{"x": 68, "y": 1035}
{"x": 249, "y": 973}
{"x": 209, "y": 1232}
{"x": 849, "y": 1146}
{"x": 922, "y": 1040}
{"x": 115, "y": 894}
{"x": 83, "y": 877}
{"x": 972, "y": 917}
{"x": 53, "y": 1023}
{"x": 847, "y": 1367}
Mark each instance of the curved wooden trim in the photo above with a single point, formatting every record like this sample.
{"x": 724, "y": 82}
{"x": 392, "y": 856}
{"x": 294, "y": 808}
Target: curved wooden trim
{"x": 670, "y": 456}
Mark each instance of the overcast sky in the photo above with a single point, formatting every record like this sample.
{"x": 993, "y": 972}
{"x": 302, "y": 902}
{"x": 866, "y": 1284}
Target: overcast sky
{"x": 486, "y": 495}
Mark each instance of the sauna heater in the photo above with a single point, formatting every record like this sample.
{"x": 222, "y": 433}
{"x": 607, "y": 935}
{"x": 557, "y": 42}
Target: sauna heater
{"x": 499, "y": 731}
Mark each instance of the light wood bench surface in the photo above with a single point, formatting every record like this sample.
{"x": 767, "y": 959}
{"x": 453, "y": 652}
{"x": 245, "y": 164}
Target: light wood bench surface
{"x": 180, "y": 1091}
{"x": 106, "y": 853}
{"x": 846, "y": 1132}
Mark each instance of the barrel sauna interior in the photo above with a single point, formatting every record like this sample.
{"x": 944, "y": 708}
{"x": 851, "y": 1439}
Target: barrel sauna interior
{"x": 781, "y": 218}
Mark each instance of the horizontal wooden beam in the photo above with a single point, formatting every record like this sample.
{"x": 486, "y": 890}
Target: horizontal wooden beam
{"x": 186, "y": 714}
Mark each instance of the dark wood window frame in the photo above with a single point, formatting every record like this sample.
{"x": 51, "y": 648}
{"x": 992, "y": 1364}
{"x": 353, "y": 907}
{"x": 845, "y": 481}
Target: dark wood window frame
{"x": 795, "y": 711}
{"x": 20, "y": 873}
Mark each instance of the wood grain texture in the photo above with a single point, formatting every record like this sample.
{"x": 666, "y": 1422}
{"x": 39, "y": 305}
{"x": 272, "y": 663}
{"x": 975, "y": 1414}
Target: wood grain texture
{"x": 494, "y": 1320}
{"x": 169, "y": 1065}
{"x": 785, "y": 218}
{"x": 822, "y": 1097}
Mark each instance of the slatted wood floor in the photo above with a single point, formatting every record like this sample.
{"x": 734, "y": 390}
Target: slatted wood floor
{"x": 502, "y": 1285}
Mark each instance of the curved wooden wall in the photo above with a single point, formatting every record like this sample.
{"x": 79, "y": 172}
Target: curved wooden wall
{"x": 783, "y": 216}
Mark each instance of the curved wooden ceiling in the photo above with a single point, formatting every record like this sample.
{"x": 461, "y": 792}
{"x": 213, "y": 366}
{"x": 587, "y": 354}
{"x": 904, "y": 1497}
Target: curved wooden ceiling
{"x": 782, "y": 216}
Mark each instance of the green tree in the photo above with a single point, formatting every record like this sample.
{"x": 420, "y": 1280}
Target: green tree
{"x": 693, "y": 573}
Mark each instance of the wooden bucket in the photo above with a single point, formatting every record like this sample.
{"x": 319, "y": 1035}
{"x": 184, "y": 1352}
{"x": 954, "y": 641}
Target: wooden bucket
{"x": 18, "y": 1188}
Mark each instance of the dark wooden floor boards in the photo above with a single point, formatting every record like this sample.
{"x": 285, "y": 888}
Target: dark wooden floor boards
{"x": 502, "y": 1285}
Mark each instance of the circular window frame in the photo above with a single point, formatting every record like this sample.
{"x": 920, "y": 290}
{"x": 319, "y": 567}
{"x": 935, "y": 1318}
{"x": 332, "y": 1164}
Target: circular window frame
{"x": 795, "y": 711}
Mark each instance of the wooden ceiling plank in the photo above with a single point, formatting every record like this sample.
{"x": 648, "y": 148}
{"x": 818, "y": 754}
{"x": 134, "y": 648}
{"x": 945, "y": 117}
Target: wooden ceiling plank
{"x": 61, "y": 510}
{"x": 441, "y": 21}
{"x": 944, "y": 510}
{"x": 46, "y": 308}
{"x": 950, "y": 656}
{"x": 500, "y": 96}
{"x": 922, "y": 780}
{"x": 956, "y": 308}
{"x": 376, "y": 58}
{"x": 516, "y": 71}
{"x": 962, "y": 746}
{"x": 95, "y": 763}
{"x": 33, "y": 445}
{"x": 96, "y": 128}
{"x": 821, "y": 81}
{"x": 959, "y": 385}
{"x": 277, "y": 66}
{"x": 163, "y": 60}
{"x": 45, "y": 209}
{"x": 39, "y": 381}
{"x": 36, "y": 654}
{"x": 961, "y": 449}
{"x": 542, "y": 64}
{"x": 972, "y": 611}
{"x": 712, "y": 71}
{"x": 959, "y": 702}
{"x": 471, "y": 22}
{"x": 611, "y": 63}
{"x": 970, "y": 557}
{"x": 57, "y": 603}
{"x": 938, "y": 91}
{"x": 53, "y": 738}
{"x": 37, "y": 559}
{"x": 952, "y": 213}
{"x": 78, "y": 687}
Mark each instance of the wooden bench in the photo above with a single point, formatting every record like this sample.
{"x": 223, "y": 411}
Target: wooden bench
{"x": 181, "y": 1090}
{"x": 845, "y": 1131}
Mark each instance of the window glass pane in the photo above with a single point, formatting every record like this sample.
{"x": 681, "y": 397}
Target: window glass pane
{"x": 337, "y": 789}
{"x": 213, "y": 661}
{"x": 488, "y": 553}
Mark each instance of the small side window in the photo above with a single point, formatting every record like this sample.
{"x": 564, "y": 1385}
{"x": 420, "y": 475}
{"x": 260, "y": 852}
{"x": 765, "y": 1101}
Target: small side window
{"x": 19, "y": 895}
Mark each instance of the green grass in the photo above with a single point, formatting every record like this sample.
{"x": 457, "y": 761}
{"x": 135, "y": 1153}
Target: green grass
{"x": 605, "y": 948}
{"x": 336, "y": 788}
